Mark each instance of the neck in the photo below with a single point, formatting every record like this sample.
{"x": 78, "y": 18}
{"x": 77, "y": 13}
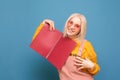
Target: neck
{"x": 77, "y": 39}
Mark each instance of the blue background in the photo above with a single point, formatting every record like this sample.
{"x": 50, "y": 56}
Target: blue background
{"x": 20, "y": 18}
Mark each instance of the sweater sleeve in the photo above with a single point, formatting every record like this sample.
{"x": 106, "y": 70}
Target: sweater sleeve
{"x": 37, "y": 31}
{"x": 93, "y": 57}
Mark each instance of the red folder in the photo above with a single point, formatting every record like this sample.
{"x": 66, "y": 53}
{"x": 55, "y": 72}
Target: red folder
{"x": 53, "y": 46}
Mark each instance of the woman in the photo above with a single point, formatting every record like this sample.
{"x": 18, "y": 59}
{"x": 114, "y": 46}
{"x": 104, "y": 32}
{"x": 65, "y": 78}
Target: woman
{"x": 82, "y": 62}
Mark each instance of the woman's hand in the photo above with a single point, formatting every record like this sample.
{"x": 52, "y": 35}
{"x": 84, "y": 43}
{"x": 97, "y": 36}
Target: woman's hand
{"x": 50, "y": 22}
{"x": 83, "y": 63}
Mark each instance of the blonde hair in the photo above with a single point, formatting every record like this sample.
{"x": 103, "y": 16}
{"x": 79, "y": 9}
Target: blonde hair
{"x": 82, "y": 33}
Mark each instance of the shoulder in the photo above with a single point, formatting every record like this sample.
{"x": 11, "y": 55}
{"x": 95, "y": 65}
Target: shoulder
{"x": 89, "y": 49}
{"x": 88, "y": 43}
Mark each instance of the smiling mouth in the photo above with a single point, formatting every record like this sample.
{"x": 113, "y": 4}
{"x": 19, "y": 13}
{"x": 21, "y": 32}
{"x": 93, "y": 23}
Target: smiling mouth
{"x": 71, "y": 31}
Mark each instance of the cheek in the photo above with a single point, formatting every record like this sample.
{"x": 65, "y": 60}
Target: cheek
{"x": 78, "y": 31}
{"x": 69, "y": 24}
{"x": 67, "y": 27}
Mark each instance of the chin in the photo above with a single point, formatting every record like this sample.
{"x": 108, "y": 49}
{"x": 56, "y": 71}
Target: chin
{"x": 70, "y": 34}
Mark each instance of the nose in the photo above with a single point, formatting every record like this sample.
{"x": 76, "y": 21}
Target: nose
{"x": 72, "y": 26}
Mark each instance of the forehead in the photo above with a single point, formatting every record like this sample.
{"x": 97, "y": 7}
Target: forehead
{"x": 75, "y": 19}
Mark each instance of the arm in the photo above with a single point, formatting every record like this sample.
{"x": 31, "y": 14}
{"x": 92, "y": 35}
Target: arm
{"x": 93, "y": 59}
{"x": 37, "y": 30}
{"x": 88, "y": 60}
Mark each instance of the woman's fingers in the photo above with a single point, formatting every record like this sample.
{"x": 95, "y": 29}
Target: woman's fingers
{"x": 83, "y": 63}
{"x": 52, "y": 26}
{"x": 78, "y": 59}
{"x": 78, "y": 62}
{"x": 50, "y": 23}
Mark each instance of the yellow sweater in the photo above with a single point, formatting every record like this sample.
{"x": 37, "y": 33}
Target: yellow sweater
{"x": 88, "y": 52}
